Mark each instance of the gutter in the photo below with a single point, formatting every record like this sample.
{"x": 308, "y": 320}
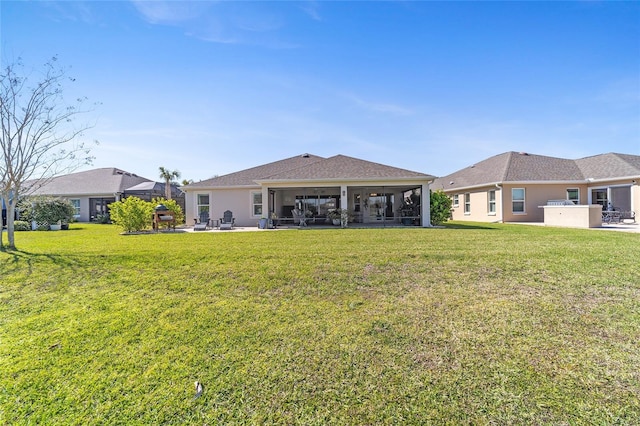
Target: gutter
{"x": 499, "y": 185}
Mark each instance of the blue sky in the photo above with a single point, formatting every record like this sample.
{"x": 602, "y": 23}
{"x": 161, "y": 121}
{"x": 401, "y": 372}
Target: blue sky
{"x": 210, "y": 88}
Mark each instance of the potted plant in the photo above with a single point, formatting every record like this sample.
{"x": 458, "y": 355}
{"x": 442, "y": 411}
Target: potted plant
{"x": 410, "y": 209}
{"x": 47, "y": 213}
{"x": 56, "y": 211}
{"x": 262, "y": 223}
{"x": 335, "y": 216}
{"x": 340, "y": 217}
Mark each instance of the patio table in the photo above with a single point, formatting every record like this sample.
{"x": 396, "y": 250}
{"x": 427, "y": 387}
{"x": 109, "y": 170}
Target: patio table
{"x": 611, "y": 216}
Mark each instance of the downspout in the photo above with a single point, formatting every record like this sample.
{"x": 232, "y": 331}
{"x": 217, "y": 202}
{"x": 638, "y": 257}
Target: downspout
{"x": 500, "y": 219}
{"x": 425, "y": 193}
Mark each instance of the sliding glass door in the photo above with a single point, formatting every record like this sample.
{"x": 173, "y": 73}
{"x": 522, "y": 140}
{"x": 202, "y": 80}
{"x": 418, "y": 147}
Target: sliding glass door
{"x": 381, "y": 207}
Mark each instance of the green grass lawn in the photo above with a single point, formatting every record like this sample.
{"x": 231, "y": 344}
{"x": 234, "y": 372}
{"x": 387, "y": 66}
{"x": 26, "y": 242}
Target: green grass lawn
{"x": 486, "y": 324}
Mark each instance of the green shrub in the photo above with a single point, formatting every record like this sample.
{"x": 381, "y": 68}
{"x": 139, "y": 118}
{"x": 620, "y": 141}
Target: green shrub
{"x": 103, "y": 218}
{"x": 132, "y": 214}
{"x": 21, "y": 225}
{"x": 47, "y": 210}
{"x": 440, "y": 207}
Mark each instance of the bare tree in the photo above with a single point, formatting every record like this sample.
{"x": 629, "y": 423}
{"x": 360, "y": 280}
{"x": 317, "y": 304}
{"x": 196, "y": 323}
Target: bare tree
{"x": 168, "y": 177}
{"x": 38, "y": 133}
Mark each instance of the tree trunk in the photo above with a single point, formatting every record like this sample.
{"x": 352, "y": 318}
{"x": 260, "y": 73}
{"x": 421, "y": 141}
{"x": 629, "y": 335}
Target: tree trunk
{"x": 11, "y": 211}
{"x": 167, "y": 190}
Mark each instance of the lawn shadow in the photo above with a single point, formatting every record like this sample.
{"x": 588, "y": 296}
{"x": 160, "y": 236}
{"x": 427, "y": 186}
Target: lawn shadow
{"x": 16, "y": 256}
{"x": 469, "y": 226}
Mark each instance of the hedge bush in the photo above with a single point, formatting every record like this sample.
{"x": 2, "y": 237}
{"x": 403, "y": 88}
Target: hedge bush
{"x": 440, "y": 207}
{"x": 132, "y": 214}
{"x": 21, "y": 225}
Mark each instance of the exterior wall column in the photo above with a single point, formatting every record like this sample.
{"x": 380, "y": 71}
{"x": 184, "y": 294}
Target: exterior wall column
{"x": 426, "y": 205}
{"x": 344, "y": 197}
{"x": 266, "y": 212}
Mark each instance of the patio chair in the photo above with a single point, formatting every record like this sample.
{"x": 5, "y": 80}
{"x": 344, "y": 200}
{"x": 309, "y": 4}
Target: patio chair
{"x": 299, "y": 217}
{"x": 629, "y": 215}
{"x": 202, "y": 222}
{"x": 227, "y": 221}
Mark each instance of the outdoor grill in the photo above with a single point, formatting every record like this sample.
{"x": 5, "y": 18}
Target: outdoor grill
{"x": 161, "y": 214}
{"x": 560, "y": 203}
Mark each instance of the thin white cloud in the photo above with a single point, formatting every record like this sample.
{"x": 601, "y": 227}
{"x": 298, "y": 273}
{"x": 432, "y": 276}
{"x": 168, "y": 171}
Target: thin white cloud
{"x": 311, "y": 8}
{"x": 171, "y": 12}
{"x": 251, "y": 23}
{"x": 70, "y": 11}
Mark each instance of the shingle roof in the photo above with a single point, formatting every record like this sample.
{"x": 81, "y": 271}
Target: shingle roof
{"x": 609, "y": 165}
{"x": 91, "y": 182}
{"x": 310, "y": 167}
{"x": 344, "y": 167}
{"x": 523, "y": 167}
{"x": 249, "y": 176}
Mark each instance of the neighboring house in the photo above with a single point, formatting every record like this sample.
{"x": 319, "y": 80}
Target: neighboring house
{"x": 372, "y": 192}
{"x": 90, "y": 192}
{"x": 512, "y": 187}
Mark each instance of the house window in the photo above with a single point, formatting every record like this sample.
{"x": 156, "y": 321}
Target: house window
{"x": 203, "y": 207}
{"x": 76, "y": 206}
{"x": 256, "y": 203}
{"x": 456, "y": 200}
{"x": 599, "y": 196}
{"x": 491, "y": 201}
{"x": 517, "y": 200}
{"x": 467, "y": 203}
{"x": 99, "y": 208}
{"x": 573, "y": 194}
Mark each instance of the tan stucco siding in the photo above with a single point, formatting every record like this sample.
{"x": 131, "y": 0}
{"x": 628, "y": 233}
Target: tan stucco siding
{"x": 479, "y": 206}
{"x": 239, "y": 201}
{"x": 535, "y": 196}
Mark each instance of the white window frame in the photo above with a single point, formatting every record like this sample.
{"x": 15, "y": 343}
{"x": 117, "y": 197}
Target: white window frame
{"x": 200, "y": 205}
{"x": 523, "y": 201}
{"x": 491, "y": 203}
{"x": 576, "y": 201}
{"x": 76, "y": 207}
{"x": 255, "y": 204}
{"x": 467, "y": 203}
{"x": 456, "y": 200}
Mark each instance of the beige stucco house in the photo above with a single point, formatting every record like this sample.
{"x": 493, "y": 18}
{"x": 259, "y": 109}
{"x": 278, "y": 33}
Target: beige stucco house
{"x": 372, "y": 192}
{"x": 513, "y": 186}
